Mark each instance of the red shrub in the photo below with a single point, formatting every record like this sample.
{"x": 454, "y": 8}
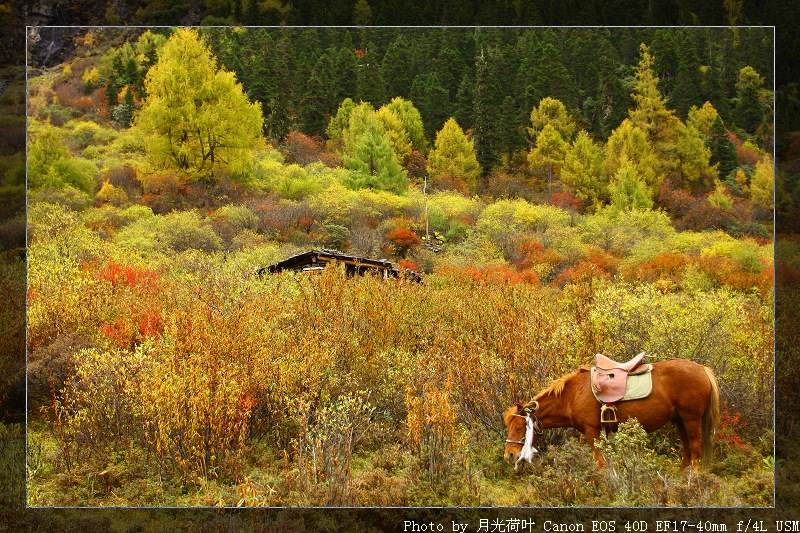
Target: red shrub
{"x": 403, "y": 240}
{"x": 567, "y": 200}
{"x": 745, "y": 156}
{"x": 677, "y": 202}
{"x": 411, "y": 265}
{"x": 127, "y": 276}
{"x": 301, "y": 149}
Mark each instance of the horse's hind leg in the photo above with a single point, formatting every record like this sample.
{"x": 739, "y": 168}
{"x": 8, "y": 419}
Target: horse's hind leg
{"x": 692, "y": 437}
{"x": 684, "y": 443}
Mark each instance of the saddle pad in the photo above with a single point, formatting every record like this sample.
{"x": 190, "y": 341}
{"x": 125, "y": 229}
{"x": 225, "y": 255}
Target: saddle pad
{"x": 637, "y": 386}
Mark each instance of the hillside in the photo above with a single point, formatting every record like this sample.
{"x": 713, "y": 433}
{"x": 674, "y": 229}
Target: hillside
{"x": 614, "y": 195}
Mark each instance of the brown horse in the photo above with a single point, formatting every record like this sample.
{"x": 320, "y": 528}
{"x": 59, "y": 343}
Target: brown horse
{"x": 684, "y": 392}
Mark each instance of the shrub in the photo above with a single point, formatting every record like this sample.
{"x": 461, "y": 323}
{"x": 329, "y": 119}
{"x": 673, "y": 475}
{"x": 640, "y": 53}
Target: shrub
{"x": 185, "y": 230}
{"x": 630, "y": 461}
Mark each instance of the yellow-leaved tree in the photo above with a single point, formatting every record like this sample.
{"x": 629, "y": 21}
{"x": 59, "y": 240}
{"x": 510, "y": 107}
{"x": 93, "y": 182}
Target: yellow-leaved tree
{"x": 196, "y": 117}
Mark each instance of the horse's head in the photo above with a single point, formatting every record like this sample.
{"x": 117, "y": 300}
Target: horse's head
{"x": 516, "y": 420}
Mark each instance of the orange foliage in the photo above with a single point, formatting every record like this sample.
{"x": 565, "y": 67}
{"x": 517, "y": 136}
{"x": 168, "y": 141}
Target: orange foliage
{"x": 582, "y": 271}
{"x": 567, "y": 200}
{"x": 411, "y": 265}
{"x": 492, "y": 275}
{"x": 666, "y": 265}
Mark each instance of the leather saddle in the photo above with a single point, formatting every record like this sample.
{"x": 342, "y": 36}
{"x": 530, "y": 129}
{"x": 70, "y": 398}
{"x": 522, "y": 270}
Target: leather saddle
{"x": 610, "y": 378}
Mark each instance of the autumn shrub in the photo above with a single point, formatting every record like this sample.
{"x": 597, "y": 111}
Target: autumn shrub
{"x": 300, "y": 148}
{"x": 124, "y": 177}
{"x": 328, "y": 439}
{"x": 664, "y": 266}
{"x": 185, "y": 230}
{"x": 432, "y": 428}
{"x": 630, "y": 463}
{"x": 230, "y": 220}
{"x": 404, "y": 240}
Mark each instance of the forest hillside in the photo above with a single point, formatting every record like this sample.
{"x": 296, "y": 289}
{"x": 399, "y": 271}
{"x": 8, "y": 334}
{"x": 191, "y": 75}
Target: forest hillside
{"x": 564, "y": 192}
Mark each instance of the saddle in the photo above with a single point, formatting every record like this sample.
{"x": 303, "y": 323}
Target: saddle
{"x": 610, "y": 382}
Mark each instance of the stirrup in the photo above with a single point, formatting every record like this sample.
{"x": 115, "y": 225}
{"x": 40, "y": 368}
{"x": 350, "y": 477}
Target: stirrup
{"x": 608, "y": 414}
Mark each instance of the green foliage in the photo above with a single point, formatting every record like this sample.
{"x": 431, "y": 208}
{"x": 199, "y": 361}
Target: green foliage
{"x": 196, "y": 117}
{"x": 187, "y": 231}
{"x": 628, "y": 191}
{"x": 50, "y": 164}
{"x": 630, "y": 462}
{"x": 582, "y": 171}
{"x": 412, "y": 122}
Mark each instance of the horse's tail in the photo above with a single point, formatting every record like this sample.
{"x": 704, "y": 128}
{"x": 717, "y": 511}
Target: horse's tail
{"x": 710, "y": 418}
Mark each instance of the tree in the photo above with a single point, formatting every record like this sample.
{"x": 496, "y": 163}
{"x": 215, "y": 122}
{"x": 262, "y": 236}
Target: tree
{"x": 411, "y": 119}
{"x": 553, "y": 112}
{"x": 370, "y": 154}
{"x": 628, "y": 192}
{"x": 723, "y": 151}
{"x": 688, "y": 82}
{"x": 749, "y": 112}
{"x": 582, "y": 171}
{"x": 549, "y": 153}
{"x": 196, "y": 117}
{"x": 679, "y": 151}
{"x": 453, "y": 156}
{"x": 339, "y": 122}
{"x": 394, "y": 131}
{"x": 630, "y": 143}
{"x": 762, "y": 184}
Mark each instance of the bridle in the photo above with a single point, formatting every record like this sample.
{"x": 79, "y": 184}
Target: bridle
{"x": 530, "y": 411}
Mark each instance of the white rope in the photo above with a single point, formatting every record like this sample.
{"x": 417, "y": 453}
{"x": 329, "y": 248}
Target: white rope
{"x": 528, "y": 449}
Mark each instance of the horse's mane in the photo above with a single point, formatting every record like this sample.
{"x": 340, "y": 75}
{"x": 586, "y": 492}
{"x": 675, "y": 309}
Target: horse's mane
{"x": 557, "y": 386}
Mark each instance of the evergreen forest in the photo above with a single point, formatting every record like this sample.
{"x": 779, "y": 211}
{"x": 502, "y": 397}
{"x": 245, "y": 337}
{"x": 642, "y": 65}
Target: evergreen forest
{"x": 562, "y": 191}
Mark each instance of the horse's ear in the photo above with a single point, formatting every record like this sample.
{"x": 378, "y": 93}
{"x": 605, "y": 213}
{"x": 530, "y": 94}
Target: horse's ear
{"x": 519, "y": 406}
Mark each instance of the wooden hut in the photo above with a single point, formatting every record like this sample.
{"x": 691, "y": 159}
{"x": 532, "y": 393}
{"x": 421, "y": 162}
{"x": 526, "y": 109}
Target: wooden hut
{"x": 316, "y": 260}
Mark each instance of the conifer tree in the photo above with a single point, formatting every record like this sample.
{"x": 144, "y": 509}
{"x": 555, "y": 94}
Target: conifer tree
{"x": 628, "y": 192}
{"x": 582, "y": 171}
{"x": 453, "y": 156}
{"x": 370, "y": 156}
{"x": 411, "y": 119}
{"x": 749, "y": 112}
{"x": 196, "y": 117}
{"x": 549, "y": 154}
{"x": 723, "y": 152}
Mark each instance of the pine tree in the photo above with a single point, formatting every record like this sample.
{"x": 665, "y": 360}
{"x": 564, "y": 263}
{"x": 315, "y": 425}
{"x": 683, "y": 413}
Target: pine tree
{"x": 370, "y": 86}
{"x": 488, "y": 92}
{"x": 688, "y": 83}
{"x": 370, "y": 156}
{"x": 397, "y": 67}
{"x": 722, "y": 149}
{"x": 453, "y": 156}
{"x": 749, "y": 112}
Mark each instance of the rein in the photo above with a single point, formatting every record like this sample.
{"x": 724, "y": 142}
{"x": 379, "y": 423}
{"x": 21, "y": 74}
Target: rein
{"x": 537, "y": 425}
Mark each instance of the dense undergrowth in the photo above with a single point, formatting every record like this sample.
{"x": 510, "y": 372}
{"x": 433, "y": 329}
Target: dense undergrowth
{"x": 187, "y": 379}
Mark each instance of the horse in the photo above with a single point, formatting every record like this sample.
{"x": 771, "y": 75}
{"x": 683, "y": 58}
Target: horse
{"x": 684, "y": 392}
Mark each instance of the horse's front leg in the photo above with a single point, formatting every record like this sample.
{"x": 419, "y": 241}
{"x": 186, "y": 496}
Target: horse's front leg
{"x": 591, "y": 434}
